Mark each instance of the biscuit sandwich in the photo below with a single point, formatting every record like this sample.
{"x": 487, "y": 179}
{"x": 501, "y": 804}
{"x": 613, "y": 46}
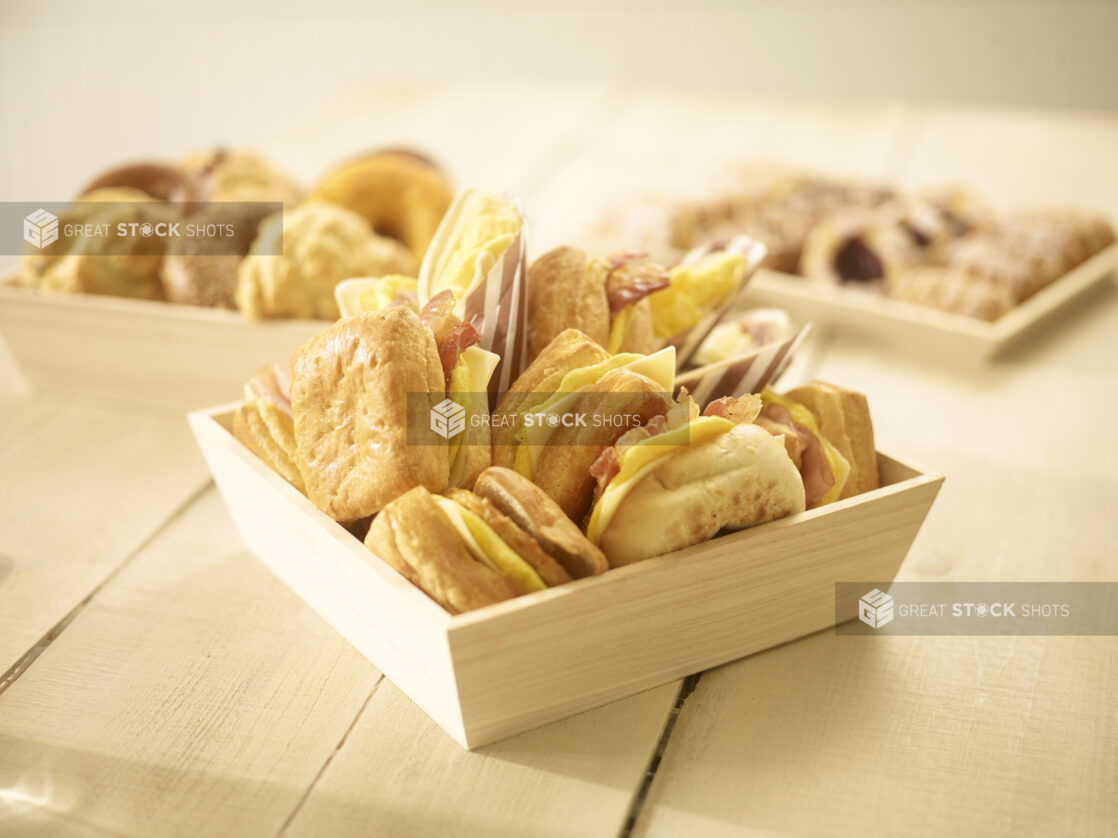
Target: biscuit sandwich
{"x": 264, "y": 424}
{"x": 605, "y": 299}
{"x": 828, "y": 434}
{"x": 465, "y": 552}
{"x": 572, "y": 401}
{"x": 682, "y": 478}
{"x": 350, "y": 387}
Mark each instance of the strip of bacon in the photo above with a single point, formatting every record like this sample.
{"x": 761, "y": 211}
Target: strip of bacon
{"x": 452, "y": 336}
{"x": 608, "y": 463}
{"x": 460, "y": 338}
{"x": 631, "y": 279}
{"x": 625, "y": 257}
{"x": 738, "y": 409}
{"x": 605, "y": 467}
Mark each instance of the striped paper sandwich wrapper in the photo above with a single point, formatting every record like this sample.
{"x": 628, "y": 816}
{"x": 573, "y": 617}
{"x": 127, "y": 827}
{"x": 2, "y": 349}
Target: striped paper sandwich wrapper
{"x": 741, "y": 374}
{"x": 754, "y": 251}
{"x": 495, "y": 303}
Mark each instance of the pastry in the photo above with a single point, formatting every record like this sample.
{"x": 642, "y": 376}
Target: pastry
{"x": 952, "y": 290}
{"x": 401, "y": 194}
{"x": 299, "y": 256}
{"x": 738, "y": 334}
{"x": 478, "y": 230}
{"x": 241, "y": 190}
{"x": 202, "y": 270}
{"x": 415, "y": 535}
{"x": 241, "y": 176}
{"x": 464, "y": 552}
{"x": 862, "y": 248}
{"x": 157, "y": 181}
{"x": 124, "y": 266}
{"x": 700, "y": 289}
{"x": 524, "y": 502}
{"x": 263, "y": 423}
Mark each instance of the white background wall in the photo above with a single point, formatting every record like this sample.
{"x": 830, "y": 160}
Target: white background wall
{"x": 86, "y": 84}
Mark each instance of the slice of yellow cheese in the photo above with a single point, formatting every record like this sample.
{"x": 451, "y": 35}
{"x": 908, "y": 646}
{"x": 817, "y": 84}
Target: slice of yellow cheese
{"x": 488, "y": 548}
{"x": 617, "y": 330}
{"x": 840, "y": 468}
{"x": 695, "y": 291}
{"x": 469, "y": 382}
{"x": 658, "y": 367}
{"x": 637, "y": 460}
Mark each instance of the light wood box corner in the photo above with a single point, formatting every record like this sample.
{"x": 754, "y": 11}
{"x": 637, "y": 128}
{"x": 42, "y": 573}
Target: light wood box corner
{"x": 142, "y": 355}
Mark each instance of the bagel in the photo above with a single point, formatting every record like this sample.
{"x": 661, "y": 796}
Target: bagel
{"x": 401, "y": 194}
{"x": 160, "y": 181}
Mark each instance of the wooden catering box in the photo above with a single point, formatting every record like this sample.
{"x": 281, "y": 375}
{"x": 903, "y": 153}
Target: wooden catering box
{"x": 155, "y": 356}
{"x": 490, "y": 673}
{"x": 923, "y": 330}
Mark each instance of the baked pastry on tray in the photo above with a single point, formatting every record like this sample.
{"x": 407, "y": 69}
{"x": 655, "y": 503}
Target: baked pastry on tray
{"x": 299, "y": 256}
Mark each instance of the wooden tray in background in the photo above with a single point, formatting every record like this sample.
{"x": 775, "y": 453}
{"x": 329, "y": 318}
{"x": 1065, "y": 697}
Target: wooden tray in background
{"x": 140, "y": 354}
{"x": 490, "y": 673}
{"x": 920, "y": 329}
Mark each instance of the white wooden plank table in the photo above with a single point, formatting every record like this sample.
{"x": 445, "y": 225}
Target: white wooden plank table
{"x": 160, "y": 682}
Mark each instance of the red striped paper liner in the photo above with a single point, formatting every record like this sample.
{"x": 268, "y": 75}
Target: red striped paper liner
{"x": 498, "y": 308}
{"x": 749, "y": 372}
{"x": 497, "y": 305}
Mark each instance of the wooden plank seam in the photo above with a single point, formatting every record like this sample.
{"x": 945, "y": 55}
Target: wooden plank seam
{"x": 686, "y": 688}
{"x": 325, "y": 765}
{"x": 31, "y": 655}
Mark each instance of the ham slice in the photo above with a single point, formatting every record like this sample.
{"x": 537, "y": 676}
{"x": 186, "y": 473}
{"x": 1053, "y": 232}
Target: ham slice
{"x": 804, "y": 448}
{"x": 274, "y": 384}
{"x": 438, "y": 314}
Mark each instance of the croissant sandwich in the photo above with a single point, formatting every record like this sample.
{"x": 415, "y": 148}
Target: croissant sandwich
{"x": 700, "y": 290}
